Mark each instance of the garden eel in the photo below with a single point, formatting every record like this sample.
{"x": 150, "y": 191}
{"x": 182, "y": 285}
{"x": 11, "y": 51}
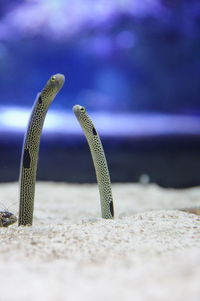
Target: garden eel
{"x": 30, "y": 148}
{"x": 7, "y": 218}
{"x": 99, "y": 160}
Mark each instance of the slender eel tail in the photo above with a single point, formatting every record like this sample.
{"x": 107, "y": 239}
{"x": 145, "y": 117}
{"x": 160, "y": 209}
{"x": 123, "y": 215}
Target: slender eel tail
{"x": 30, "y": 149}
{"x": 99, "y": 160}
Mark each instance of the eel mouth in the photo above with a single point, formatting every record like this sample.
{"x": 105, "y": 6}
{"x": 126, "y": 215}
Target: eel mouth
{"x": 78, "y": 110}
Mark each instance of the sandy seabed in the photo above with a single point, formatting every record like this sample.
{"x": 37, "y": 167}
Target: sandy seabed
{"x": 150, "y": 251}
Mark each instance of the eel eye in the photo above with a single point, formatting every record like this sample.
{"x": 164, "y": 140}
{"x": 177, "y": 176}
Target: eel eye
{"x": 53, "y": 78}
{"x": 82, "y": 109}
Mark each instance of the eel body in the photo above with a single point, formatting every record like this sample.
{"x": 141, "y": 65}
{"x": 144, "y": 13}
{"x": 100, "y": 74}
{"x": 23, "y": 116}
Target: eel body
{"x": 29, "y": 159}
{"x": 99, "y": 160}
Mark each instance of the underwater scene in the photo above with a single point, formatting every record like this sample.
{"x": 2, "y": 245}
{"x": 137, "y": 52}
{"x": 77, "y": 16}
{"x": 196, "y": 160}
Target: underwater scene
{"x": 99, "y": 150}
{"x": 134, "y": 65}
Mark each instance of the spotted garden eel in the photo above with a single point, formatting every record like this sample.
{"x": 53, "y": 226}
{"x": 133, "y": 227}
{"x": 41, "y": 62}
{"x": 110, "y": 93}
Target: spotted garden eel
{"x": 99, "y": 160}
{"x": 30, "y": 148}
{"x": 7, "y": 218}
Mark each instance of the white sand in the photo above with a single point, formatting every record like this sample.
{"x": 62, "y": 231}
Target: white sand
{"x": 70, "y": 253}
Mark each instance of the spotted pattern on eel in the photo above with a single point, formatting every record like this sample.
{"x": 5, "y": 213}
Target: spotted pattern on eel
{"x": 99, "y": 160}
{"x": 29, "y": 159}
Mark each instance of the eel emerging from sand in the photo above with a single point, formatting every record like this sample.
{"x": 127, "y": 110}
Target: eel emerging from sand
{"x": 30, "y": 151}
{"x": 99, "y": 160}
{"x": 101, "y": 168}
{"x": 30, "y": 148}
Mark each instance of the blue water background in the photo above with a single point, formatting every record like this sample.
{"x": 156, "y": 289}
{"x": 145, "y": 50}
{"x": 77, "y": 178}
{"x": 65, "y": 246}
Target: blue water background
{"x": 135, "y": 66}
{"x": 117, "y": 56}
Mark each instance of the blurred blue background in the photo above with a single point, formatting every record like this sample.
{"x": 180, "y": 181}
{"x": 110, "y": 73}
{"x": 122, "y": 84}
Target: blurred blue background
{"x": 134, "y": 64}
